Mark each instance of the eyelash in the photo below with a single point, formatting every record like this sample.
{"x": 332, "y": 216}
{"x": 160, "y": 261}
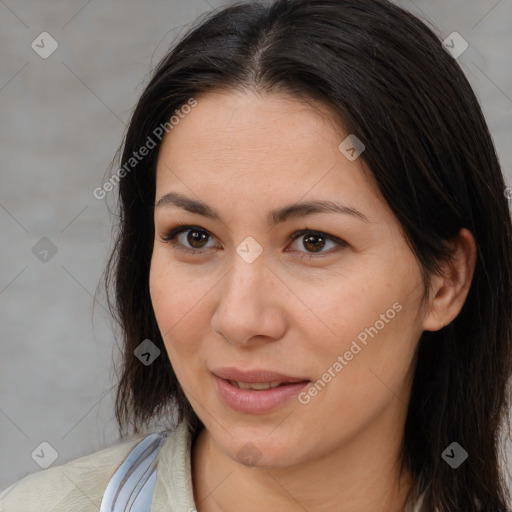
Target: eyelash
{"x": 172, "y": 233}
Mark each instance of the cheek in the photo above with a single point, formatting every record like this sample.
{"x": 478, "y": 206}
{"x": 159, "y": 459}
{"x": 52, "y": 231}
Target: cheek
{"x": 181, "y": 297}
{"x": 362, "y": 369}
{"x": 369, "y": 319}
{"x": 177, "y": 305}
{"x": 175, "y": 295}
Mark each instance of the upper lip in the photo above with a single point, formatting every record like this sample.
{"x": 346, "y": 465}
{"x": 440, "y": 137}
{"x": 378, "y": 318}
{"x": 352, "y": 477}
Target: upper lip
{"x": 254, "y": 376}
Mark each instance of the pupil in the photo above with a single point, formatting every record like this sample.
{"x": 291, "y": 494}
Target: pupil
{"x": 308, "y": 238}
{"x": 192, "y": 239}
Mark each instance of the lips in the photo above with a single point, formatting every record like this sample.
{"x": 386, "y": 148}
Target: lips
{"x": 237, "y": 389}
{"x": 256, "y": 376}
{"x": 256, "y": 385}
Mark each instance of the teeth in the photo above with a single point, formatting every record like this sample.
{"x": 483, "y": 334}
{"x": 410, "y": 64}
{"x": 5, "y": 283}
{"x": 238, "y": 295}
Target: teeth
{"x": 255, "y": 385}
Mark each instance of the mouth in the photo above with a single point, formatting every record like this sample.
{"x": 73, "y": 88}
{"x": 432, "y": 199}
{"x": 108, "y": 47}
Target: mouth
{"x": 257, "y": 385}
{"x": 256, "y": 391}
{"x": 256, "y": 376}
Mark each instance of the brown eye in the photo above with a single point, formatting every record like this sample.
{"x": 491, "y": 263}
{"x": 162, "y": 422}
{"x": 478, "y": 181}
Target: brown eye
{"x": 196, "y": 238}
{"x": 314, "y": 242}
{"x": 193, "y": 242}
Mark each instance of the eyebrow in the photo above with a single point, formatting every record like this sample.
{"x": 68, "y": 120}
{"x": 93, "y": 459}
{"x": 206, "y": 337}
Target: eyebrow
{"x": 274, "y": 217}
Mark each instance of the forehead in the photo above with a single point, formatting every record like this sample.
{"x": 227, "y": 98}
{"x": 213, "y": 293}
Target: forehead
{"x": 234, "y": 123}
{"x": 270, "y": 148}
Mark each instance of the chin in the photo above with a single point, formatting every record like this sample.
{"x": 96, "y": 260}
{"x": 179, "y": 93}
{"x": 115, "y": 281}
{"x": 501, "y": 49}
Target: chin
{"x": 259, "y": 446}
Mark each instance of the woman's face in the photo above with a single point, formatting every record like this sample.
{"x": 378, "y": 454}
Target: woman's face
{"x": 339, "y": 305}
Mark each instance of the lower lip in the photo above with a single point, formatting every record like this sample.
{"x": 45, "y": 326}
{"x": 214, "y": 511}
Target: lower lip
{"x": 256, "y": 401}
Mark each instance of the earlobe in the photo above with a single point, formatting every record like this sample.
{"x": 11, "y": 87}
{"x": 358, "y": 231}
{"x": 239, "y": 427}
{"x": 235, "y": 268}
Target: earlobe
{"x": 450, "y": 290}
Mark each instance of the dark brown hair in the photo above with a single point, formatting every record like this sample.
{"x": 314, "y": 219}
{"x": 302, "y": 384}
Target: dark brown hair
{"x": 385, "y": 74}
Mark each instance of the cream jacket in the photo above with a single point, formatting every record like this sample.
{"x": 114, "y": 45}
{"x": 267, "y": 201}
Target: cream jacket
{"x": 78, "y": 486}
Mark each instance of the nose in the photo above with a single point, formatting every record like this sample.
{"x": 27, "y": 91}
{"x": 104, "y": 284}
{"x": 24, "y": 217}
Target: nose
{"x": 250, "y": 308}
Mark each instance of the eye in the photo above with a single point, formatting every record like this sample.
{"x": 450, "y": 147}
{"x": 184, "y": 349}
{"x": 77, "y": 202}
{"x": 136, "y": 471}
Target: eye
{"x": 195, "y": 238}
{"x": 315, "y": 241}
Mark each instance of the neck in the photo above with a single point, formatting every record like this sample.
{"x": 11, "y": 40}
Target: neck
{"x": 363, "y": 475}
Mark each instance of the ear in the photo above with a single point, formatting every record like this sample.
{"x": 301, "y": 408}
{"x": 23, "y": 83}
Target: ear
{"x": 449, "y": 290}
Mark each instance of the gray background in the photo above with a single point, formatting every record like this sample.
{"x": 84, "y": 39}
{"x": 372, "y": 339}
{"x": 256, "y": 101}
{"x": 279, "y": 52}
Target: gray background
{"x": 62, "y": 119}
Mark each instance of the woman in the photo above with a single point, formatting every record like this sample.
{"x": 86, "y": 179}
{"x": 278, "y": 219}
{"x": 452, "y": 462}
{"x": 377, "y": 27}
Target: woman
{"x": 313, "y": 269}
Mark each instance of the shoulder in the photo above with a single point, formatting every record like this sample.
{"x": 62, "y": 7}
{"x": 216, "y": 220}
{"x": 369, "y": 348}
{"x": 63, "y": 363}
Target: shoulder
{"x": 76, "y": 485}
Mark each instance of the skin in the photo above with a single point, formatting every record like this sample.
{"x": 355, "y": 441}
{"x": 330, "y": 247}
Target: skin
{"x": 245, "y": 154}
